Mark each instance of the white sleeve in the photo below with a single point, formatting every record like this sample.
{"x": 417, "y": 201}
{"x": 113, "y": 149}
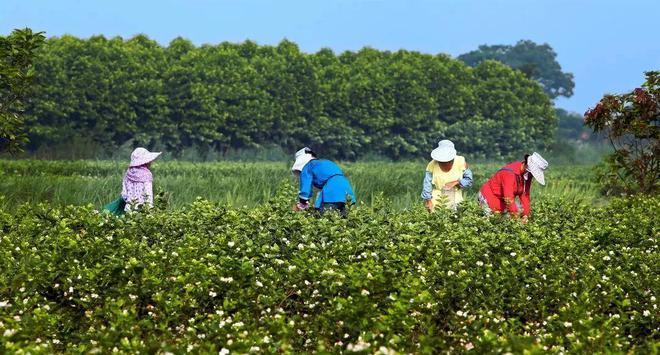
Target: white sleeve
{"x": 149, "y": 193}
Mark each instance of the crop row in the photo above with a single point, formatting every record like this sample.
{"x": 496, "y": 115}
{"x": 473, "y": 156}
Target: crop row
{"x": 206, "y": 278}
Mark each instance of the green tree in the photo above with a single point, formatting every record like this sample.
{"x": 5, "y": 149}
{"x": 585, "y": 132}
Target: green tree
{"x": 17, "y": 54}
{"x": 246, "y": 96}
{"x": 631, "y": 122}
{"x": 538, "y": 62}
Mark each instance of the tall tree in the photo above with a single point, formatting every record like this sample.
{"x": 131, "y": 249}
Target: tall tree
{"x": 17, "y": 53}
{"x": 538, "y": 62}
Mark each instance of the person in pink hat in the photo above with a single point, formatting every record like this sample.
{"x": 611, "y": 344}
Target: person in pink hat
{"x": 137, "y": 187}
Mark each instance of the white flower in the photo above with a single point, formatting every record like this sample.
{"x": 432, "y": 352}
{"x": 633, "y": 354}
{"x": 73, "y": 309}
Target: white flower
{"x": 568, "y": 324}
{"x": 259, "y": 284}
{"x": 469, "y": 346}
{"x": 238, "y": 324}
{"x": 450, "y": 273}
{"x": 646, "y": 313}
{"x": 301, "y": 246}
{"x": 175, "y": 253}
{"x": 386, "y": 351}
{"x": 480, "y": 263}
{"x": 190, "y": 347}
{"x": 212, "y": 294}
{"x": 223, "y": 351}
{"x": 227, "y": 279}
{"x": 365, "y": 293}
{"x": 94, "y": 295}
{"x": 255, "y": 349}
{"x": 231, "y": 245}
{"x": 56, "y": 341}
{"x": 652, "y": 298}
{"x": 70, "y": 289}
{"x": 9, "y": 332}
{"x": 513, "y": 253}
{"x": 266, "y": 339}
{"x": 4, "y": 304}
{"x": 22, "y": 289}
{"x": 132, "y": 297}
{"x": 361, "y": 345}
{"x": 606, "y": 258}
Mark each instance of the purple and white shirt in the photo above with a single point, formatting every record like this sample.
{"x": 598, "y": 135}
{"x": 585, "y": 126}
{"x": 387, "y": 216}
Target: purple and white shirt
{"x": 137, "y": 187}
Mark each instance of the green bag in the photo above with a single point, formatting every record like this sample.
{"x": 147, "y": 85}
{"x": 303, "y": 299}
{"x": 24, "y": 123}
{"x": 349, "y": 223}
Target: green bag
{"x": 116, "y": 207}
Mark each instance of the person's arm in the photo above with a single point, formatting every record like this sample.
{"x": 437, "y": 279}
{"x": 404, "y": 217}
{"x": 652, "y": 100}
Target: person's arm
{"x": 467, "y": 179}
{"x": 525, "y": 200}
{"x": 149, "y": 193}
{"x": 306, "y": 185}
{"x": 508, "y": 192}
{"x": 427, "y": 186}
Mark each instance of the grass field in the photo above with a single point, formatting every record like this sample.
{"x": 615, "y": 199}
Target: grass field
{"x": 212, "y": 276}
{"x": 246, "y": 184}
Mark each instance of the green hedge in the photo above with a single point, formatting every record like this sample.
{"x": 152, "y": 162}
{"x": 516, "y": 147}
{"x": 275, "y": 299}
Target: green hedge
{"x": 244, "y": 96}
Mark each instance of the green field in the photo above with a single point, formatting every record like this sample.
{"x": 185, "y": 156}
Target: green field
{"x": 247, "y": 184}
{"x": 237, "y": 271}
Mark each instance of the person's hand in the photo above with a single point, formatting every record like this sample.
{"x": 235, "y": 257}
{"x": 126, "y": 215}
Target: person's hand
{"x": 450, "y": 185}
{"x": 524, "y": 219}
{"x": 429, "y": 205}
{"x": 300, "y": 206}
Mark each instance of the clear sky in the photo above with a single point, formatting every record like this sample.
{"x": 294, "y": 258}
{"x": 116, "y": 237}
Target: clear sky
{"x": 606, "y": 44}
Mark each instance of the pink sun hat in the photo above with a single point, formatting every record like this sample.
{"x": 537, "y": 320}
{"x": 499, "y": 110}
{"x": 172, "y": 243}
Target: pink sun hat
{"x": 141, "y": 156}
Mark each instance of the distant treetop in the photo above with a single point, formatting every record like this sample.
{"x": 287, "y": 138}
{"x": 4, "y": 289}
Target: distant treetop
{"x": 538, "y": 62}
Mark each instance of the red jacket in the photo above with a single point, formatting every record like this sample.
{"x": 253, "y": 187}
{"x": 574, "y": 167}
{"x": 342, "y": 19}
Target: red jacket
{"x": 502, "y": 188}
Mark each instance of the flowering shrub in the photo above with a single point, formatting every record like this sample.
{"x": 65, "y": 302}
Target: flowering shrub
{"x": 631, "y": 122}
{"x": 215, "y": 279}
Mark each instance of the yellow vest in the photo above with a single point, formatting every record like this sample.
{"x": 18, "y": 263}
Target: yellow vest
{"x": 451, "y": 197}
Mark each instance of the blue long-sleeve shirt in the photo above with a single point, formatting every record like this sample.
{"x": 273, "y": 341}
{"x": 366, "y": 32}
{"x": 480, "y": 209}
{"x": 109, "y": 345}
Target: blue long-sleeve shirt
{"x": 427, "y": 187}
{"x": 329, "y": 179}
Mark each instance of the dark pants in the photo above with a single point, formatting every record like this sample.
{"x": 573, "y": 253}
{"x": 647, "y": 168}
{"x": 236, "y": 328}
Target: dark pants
{"x": 333, "y": 206}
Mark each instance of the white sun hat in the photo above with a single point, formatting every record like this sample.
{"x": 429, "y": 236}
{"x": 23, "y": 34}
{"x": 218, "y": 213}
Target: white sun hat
{"x": 536, "y": 165}
{"x": 302, "y": 158}
{"x": 444, "y": 152}
{"x": 141, "y": 156}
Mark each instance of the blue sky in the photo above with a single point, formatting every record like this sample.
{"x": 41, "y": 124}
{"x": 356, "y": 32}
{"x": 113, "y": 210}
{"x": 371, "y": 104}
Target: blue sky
{"x": 606, "y": 44}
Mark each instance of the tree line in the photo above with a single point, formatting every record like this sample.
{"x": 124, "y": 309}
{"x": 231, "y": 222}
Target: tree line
{"x": 243, "y": 96}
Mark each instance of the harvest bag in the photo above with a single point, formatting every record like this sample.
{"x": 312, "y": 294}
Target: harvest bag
{"x": 116, "y": 207}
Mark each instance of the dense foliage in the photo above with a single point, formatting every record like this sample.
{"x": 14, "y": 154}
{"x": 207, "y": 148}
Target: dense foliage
{"x": 17, "y": 54}
{"x": 233, "y": 96}
{"x": 241, "y": 184}
{"x": 208, "y": 278}
{"x": 631, "y": 122}
{"x": 538, "y": 62}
